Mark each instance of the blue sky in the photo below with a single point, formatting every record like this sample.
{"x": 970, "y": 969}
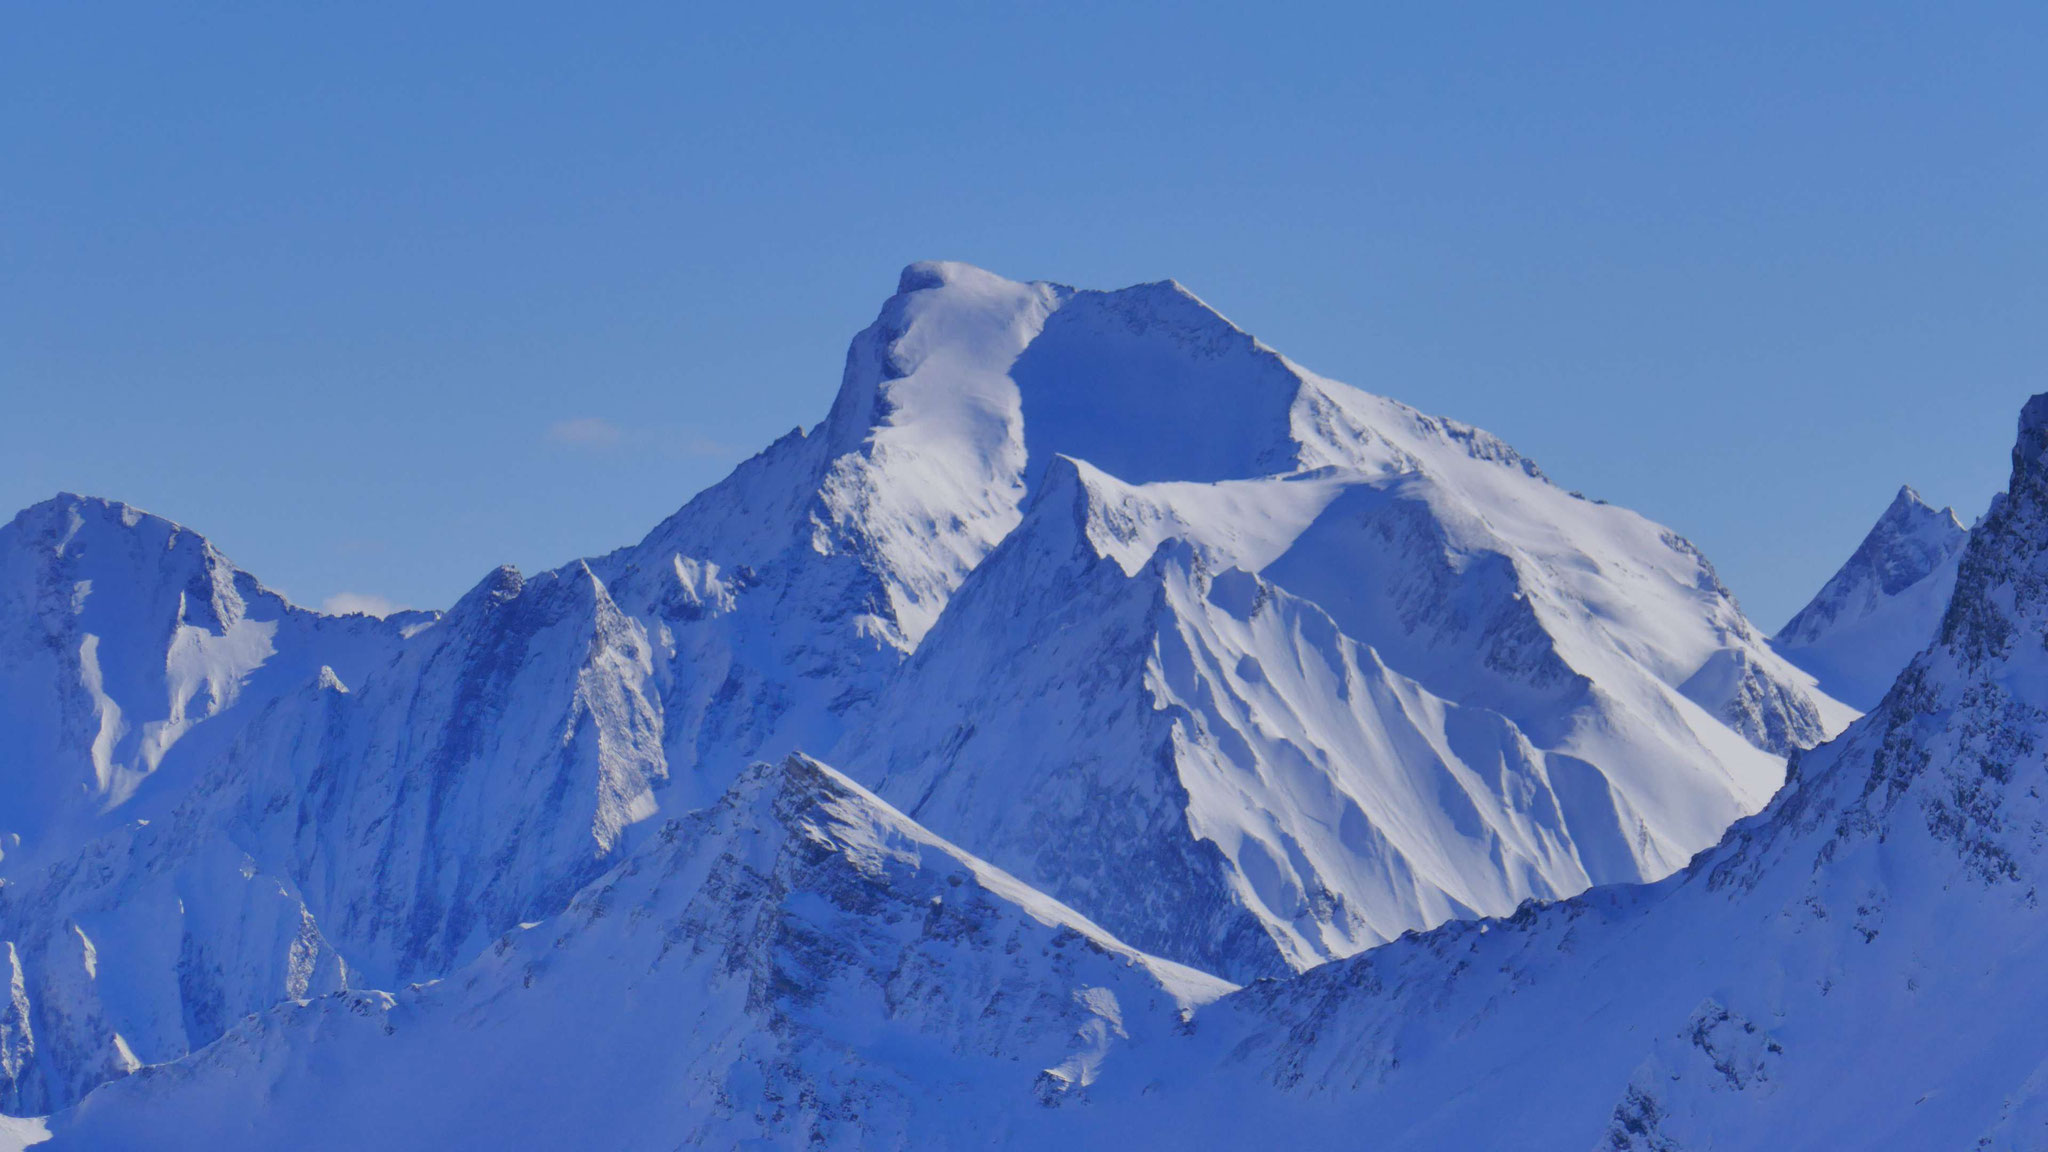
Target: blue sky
{"x": 380, "y": 298}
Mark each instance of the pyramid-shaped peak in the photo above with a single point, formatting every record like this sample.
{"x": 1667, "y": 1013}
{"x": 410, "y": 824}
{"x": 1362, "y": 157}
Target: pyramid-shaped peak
{"x": 1910, "y": 509}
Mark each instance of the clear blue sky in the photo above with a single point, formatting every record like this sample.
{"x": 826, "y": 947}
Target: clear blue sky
{"x": 319, "y": 279}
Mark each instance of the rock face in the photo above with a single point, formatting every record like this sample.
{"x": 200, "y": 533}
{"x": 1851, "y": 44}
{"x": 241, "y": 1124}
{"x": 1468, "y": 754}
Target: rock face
{"x": 1882, "y": 606}
{"x": 1245, "y": 666}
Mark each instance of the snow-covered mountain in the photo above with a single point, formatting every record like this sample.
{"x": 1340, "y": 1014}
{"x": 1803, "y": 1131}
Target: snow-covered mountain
{"x": 1881, "y": 607}
{"x": 1854, "y": 967}
{"x": 1246, "y": 667}
{"x": 795, "y": 963}
{"x": 1307, "y": 668}
{"x": 122, "y": 636}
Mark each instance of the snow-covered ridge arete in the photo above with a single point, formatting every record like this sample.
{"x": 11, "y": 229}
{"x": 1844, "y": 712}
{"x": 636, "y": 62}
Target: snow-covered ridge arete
{"x": 1881, "y": 607}
{"x": 1354, "y": 670}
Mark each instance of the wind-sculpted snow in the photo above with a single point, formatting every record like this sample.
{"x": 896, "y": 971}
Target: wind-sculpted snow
{"x": 1882, "y": 606}
{"x": 1855, "y": 967}
{"x": 796, "y": 964}
{"x": 1256, "y": 723}
{"x": 1250, "y": 667}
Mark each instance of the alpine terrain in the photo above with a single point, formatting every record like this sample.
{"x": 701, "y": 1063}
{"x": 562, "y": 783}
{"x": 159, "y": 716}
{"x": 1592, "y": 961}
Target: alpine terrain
{"x": 1882, "y": 606}
{"x": 1099, "y": 730}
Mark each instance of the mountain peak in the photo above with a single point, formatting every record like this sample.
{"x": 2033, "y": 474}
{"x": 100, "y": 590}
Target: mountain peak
{"x": 1909, "y": 509}
{"x": 1140, "y": 645}
{"x": 1881, "y": 607}
{"x": 1958, "y": 717}
{"x": 2030, "y": 450}
{"x": 2002, "y": 582}
{"x": 923, "y": 275}
{"x": 64, "y": 515}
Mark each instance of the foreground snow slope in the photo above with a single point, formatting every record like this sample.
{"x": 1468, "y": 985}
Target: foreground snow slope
{"x": 1882, "y": 606}
{"x": 796, "y": 964}
{"x": 1335, "y": 669}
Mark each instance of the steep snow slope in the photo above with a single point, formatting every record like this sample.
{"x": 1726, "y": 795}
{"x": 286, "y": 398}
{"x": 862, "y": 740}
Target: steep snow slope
{"x": 783, "y": 597}
{"x": 123, "y": 635}
{"x": 133, "y": 661}
{"x": 1855, "y": 967}
{"x": 144, "y": 948}
{"x": 1221, "y": 774}
{"x": 1475, "y": 687}
{"x": 380, "y": 833}
{"x": 796, "y": 965}
{"x": 1881, "y": 607}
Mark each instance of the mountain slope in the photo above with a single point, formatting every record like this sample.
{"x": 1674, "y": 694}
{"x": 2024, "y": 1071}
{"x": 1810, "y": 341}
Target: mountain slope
{"x": 1854, "y": 967}
{"x": 124, "y": 636}
{"x": 1220, "y": 773}
{"x": 1881, "y": 607}
{"x": 795, "y": 964}
{"x": 1509, "y": 691}
{"x": 1354, "y": 670}
{"x": 480, "y": 776}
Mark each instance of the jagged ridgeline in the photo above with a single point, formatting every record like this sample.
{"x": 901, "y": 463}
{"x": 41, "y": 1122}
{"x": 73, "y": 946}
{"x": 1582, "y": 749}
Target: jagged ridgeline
{"x": 1882, "y": 606}
{"x": 1187, "y": 659}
